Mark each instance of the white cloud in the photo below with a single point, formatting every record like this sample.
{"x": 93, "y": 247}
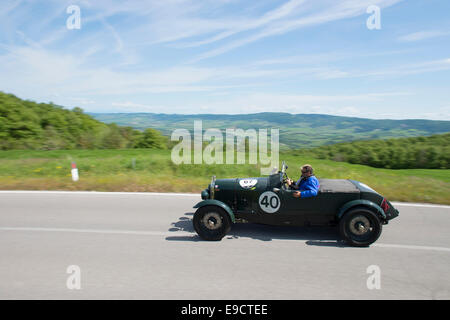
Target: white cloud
{"x": 423, "y": 35}
{"x": 34, "y": 69}
{"x": 327, "y": 12}
{"x": 129, "y": 106}
{"x": 397, "y": 70}
{"x": 410, "y": 68}
{"x": 238, "y": 26}
{"x": 297, "y": 103}
{"x": 39, "y": 69}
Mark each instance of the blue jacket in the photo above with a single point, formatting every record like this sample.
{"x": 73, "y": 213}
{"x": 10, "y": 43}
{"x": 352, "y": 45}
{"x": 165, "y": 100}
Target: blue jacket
{"x": 308, "y": 187}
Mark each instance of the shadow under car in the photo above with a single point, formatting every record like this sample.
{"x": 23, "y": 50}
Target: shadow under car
{"x": 313, "y": 236}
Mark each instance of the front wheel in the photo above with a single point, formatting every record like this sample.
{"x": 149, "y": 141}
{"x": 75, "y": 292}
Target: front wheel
{"x": 360, "y": 227}
{"x": 211, "y": 223}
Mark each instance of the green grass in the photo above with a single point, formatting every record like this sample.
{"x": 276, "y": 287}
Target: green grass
{"x": 112, "y": 170}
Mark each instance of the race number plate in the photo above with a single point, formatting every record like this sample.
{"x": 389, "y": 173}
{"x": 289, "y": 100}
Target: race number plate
{"x": 269, "y": 202}
{"x": 248, "y": 183}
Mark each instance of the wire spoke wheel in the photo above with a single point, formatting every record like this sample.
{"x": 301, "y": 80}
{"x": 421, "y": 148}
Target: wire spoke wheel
{"x": 360, "y": 227}
{"x": 211, "y": 223}
{"x": 212, "y": 220}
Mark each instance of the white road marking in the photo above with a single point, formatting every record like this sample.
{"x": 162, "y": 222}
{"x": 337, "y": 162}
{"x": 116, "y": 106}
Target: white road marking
{"x": 197, "y": 195}
{"x": 101, "y": 231}
{"x": 185, "y": 233}
{"x": 403, "y": 246}
{"x": 425, "y": 205}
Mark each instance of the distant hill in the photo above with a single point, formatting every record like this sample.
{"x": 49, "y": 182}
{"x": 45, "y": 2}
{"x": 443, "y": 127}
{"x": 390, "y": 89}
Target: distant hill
{"x": 431, "y": 152}
{"x": 42, "y": 126}
{"x": 296, "y": 130}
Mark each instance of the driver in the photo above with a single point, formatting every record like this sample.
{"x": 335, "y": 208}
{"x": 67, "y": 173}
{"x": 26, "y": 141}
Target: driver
{"x": 307, "y": 185}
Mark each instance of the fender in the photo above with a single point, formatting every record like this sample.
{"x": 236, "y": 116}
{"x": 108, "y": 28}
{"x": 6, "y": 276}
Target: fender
{"x": 360, "y": 202}
{"x": 212, "y": 202}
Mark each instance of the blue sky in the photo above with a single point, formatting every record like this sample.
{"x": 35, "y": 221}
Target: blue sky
{"x": 230, "y": 56}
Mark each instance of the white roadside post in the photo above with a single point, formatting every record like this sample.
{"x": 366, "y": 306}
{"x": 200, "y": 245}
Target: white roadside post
{"x": 75, "y": 176}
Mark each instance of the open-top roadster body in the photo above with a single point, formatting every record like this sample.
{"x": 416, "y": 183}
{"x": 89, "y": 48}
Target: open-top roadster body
{"x": 355, "y": 208}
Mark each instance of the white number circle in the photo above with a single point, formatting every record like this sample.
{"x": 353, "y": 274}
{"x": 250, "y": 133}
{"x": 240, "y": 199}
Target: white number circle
{"x": 269, "y": 202}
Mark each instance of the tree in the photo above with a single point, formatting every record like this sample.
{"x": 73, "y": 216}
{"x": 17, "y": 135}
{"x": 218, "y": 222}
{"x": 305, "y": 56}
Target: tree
{"x": 152, "y": 138}
{"x": 112, "y": 138}
{"x": 30, "y": 125}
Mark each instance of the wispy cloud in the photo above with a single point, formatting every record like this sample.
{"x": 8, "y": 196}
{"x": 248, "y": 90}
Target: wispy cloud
{"x": 70, "y": 74}
{"x": 423, "y": 35}
{"x": 28, "y": 67}
{"x": 331, "y": 11}
{"x": 259, "y": 101}
{"x": 9, "y": 6}
{"x": 237, "y": 26}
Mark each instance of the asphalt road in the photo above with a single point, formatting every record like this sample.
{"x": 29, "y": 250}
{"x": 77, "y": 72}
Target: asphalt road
{"x": 142, "y": 246}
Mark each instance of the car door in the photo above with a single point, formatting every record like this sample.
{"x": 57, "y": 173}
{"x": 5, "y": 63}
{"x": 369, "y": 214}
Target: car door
{"x": 294, "y": 209}
{"x": 317, "y": 210}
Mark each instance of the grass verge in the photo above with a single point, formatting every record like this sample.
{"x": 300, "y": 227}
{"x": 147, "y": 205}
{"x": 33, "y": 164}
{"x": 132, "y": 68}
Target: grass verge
{"x": 153, "y": 171}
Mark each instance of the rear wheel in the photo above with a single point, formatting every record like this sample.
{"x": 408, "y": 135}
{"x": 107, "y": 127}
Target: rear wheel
{"x": 360, "y": 227}
{"x": 211, "y": 223}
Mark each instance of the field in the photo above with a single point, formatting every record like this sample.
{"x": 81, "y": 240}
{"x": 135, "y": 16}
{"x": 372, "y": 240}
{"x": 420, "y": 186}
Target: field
{"x": 153, "y": 170}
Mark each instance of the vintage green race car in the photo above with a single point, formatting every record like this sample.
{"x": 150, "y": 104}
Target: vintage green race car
{"x": 355, "y": 208}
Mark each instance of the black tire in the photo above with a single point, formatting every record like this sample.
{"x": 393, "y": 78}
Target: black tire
{"x": 360, "y": 227}
{"x": 211, "y": 223}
